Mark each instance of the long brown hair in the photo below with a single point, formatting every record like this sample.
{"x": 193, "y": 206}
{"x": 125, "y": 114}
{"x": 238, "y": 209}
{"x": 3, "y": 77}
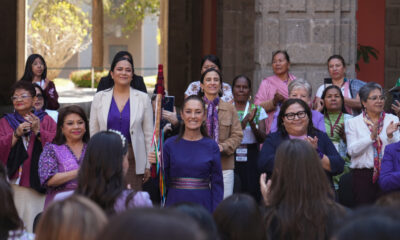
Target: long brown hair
{"x": 300, "y": 199}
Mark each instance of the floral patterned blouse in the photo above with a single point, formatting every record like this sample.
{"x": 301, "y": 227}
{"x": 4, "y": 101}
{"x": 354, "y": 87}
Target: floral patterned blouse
{"x": 194, "y": 88}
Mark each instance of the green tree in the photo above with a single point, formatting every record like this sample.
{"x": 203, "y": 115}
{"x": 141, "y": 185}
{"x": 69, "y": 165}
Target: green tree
{"x": 57, "y": 30}
{"x": 131, "y": 12}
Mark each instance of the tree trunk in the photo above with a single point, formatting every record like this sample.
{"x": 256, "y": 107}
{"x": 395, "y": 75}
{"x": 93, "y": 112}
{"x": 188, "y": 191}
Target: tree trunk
{"x": 97, "y": 34}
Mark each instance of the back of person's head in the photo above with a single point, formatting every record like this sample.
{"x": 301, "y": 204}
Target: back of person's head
{"x": 370, "y": 223}
{"x": 238, "y": 218}
{"x": 203, "y": 218}
{"x": 9, "y": 219}
{"x": 298, "y": 175}
{"x": 300, "y": 198}
{"x": 101, "y": 176}
{"x": 151, "y": 223}
{"x": 75, "y": 218}
{"x": 389, "y": 200}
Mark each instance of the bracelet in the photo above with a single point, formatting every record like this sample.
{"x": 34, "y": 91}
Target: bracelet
{"x": 15, "y": 134}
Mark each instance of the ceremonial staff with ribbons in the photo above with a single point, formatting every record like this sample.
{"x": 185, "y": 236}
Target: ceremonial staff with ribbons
{"x": 158, "y": 138}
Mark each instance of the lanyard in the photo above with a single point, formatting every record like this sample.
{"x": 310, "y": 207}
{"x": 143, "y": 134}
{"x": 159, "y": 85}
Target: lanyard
{"x": 336, "y": 123}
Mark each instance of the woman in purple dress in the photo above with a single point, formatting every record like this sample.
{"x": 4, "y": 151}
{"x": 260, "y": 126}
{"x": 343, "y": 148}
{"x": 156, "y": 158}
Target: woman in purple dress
{"x": 60, "y": 160}
{"x": 102, "y": 175}
{"x": 192, "y": 160}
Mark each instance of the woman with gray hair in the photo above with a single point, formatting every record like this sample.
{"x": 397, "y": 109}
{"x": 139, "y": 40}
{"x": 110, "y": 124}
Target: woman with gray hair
{"x": 367, "y": 136}
{"x": 302, "y": 89}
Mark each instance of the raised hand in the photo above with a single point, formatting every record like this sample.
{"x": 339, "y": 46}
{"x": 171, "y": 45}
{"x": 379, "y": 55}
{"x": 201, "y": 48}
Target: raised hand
{"x": 313, "y": 141}
{"x": 391, "y": 129}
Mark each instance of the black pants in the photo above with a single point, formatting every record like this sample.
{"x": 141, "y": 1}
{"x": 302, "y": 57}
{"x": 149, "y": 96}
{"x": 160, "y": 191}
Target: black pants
{"x": 248, "y": 173}
{"x": 364, "y": 190}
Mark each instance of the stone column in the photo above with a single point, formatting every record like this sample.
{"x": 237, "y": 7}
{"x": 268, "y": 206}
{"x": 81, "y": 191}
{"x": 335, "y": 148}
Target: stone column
{"x": 310, "y": 30}
{"x": 392, "y": 43}
{"x": 235, "y": 37}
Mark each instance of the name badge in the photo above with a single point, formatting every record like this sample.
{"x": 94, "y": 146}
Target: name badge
{"x": 241, "y": 153}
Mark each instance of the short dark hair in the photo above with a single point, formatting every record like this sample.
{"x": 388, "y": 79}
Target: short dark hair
{"x": 238, "y": 217}
{"x": 28, "y": 73}
{"x": 28, "y": 86}
{"x": 284, "y": 52}
{"x": 212, "y": 58}
{"x": 203, "y": 217}
{"x": 100, "y": 176}
{"x": 60, "y": 139}
{"x": 241, "y": 76}
{"x": 285, "y": 106}
{"x": 338, "y": 57}
{"x": 201, "y": 93}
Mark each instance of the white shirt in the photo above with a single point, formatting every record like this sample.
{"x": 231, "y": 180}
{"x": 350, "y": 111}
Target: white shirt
{"x": 322, "y": 88}
{"x": 359, "y": 143}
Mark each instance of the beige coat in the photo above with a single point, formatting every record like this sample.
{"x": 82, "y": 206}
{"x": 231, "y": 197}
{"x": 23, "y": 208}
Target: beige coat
{"x": 141, "y": 122}
{"x": 230, "y": 133}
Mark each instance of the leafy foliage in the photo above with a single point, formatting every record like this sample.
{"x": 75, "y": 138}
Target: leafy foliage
{"x": 132, "y": 12}
{"x": 83, "y": 78}
{"x": 57, "y": 30}
{"x": 364, "y": 53}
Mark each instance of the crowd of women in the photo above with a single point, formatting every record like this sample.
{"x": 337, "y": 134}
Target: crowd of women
{"x": 289, "y": 165}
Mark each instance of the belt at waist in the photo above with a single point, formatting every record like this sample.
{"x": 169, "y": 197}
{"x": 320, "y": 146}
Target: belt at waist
{"x": 190, "y": 183}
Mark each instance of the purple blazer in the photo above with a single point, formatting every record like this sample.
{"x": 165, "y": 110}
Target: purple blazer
{"x": 389, "y": 178}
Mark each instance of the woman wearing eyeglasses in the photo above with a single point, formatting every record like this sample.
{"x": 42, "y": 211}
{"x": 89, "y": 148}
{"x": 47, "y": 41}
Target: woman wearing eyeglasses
{"x": 367, "y": 136}
{"x": 294, "y": 123}
{"x": 23, "y": 134}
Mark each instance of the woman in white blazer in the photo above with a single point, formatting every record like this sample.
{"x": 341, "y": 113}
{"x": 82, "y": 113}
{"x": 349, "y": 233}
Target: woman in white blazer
{"x": 128, "y": 111}
{"x": 367, "y": 136}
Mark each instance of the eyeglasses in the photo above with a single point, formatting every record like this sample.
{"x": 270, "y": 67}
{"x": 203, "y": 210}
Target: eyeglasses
{"x": 22, "y": 97}
{"x": 40, "y": 96}
{"x": 374, "y": 98}
{"x": 291, "y": 116}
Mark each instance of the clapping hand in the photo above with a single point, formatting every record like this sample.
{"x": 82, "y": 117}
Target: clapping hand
{"x": 313, "y": 141}
{"x": 265, "y": 187}
{"x": 278, "y": 98}
{"x": 340, "y": 131}
{"x": 391, "y": 129}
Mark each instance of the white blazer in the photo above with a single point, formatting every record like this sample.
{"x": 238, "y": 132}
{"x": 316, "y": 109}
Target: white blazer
{"x": 141, "y": 122}
{"x": 359, "y": 143}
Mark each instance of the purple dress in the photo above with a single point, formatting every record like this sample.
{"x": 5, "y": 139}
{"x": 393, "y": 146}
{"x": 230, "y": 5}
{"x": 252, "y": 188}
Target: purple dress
{"x": 193, "y": 172}
{"x": 55, "y": 159}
